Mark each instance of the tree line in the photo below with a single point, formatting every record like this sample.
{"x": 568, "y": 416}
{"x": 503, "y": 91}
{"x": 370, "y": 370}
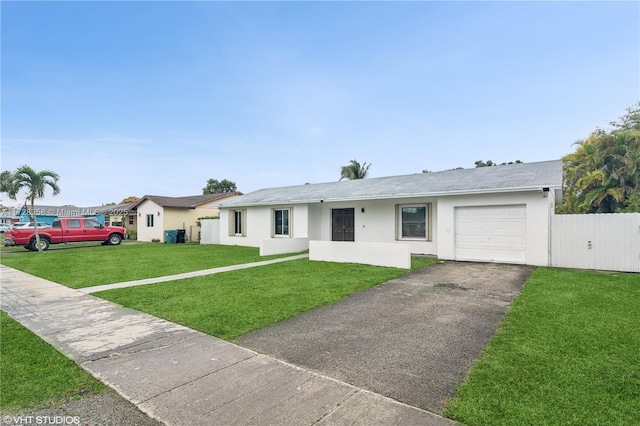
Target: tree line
{"x": 601, "y": 176}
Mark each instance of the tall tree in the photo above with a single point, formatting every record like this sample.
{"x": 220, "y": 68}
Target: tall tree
{"x": 35, "y": 184}
{"x": 219, "y": 187}
{"x": 603, "y": 174}
{"x": 629, "y": 121}
{"x": 354, "y": 170}
{"x": 490, "y": 163}
{"x": 130, "y": 199}
{"x": 6, "y": 182}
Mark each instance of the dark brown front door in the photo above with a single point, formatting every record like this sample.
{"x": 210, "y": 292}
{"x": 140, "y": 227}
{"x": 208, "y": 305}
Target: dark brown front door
{"x": 343, "y": 224}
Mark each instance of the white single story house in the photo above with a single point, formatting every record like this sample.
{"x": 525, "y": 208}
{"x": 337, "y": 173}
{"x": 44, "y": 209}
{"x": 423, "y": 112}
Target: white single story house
{"x": 494, "y": 214}
{"x": 157, "y": 214}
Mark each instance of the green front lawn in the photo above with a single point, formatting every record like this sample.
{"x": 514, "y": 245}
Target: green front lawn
{"x": 32, "y": 372}
{"x": 234, "y": 303}
{"x": 567, "y": 352}
{"x": 89, "y": 266}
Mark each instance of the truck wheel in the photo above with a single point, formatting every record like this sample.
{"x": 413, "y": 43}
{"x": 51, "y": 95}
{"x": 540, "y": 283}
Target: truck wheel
{"x": 115, "y": 239}
{"x": 44, "y": 244}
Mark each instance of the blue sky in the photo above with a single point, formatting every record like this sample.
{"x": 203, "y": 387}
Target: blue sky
{"x": 135, "y": 98}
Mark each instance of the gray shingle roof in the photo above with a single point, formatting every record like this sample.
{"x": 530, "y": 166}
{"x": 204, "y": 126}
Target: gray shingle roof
{"x": 513, "y": 177}
{"x": 189, "y": 202}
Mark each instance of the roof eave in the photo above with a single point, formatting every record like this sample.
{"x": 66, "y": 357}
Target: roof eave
{"x": 395, "y": 196}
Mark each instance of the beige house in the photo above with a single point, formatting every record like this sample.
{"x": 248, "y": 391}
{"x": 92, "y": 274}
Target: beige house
{"x": 119, "y": 215}
{"x": 156, "y": 214}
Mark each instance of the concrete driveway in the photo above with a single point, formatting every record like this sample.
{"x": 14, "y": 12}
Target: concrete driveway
{"x": 412, "y": 339}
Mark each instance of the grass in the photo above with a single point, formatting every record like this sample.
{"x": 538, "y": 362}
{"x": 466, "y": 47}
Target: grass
{"x": 94, "y": 265}
{"x": 234, "y": 303}
{"x": 567, "y": 352}
{"x": 32, "y": 372}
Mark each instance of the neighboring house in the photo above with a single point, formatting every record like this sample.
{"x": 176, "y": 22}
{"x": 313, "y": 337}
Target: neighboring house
{"x": 119, "y": 215}
{"x": 158, "y": 214}
{"x": 496, "y": 214}
{"x": 47, "y": 214}
{"x": 9, "y": 216}
{"x": 107, "y": 215}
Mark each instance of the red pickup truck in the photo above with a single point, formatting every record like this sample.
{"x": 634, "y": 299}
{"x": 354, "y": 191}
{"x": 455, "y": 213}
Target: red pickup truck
{"x": 65, "y": 230}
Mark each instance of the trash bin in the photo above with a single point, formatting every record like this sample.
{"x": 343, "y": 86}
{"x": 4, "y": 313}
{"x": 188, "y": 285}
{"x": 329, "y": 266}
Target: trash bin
{"x": 180, "y": 237}
{"x": 170, "y": 236}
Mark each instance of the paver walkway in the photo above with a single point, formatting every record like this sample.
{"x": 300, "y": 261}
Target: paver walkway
{"x": 183, "y": 377}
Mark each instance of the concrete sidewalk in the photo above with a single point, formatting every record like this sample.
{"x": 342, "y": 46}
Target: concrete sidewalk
{"x": 183, "y": 377}
{"x": 184, "y": 275}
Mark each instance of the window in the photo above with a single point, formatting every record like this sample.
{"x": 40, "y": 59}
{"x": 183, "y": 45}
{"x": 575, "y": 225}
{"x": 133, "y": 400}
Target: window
{"x": 130, "y": 220}
{"x": 237, "y": 226}
{"x": 237, "y": 222}
{"x": 90, "y": 223}
{"x": 73, "y": 223}
{"x": 414, "y": 222}
{"x": 281, "y": 222}
{"x": 149, "y": 221}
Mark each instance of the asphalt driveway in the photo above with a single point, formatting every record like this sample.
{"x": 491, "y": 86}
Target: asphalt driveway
{"x": 412, "y": 339}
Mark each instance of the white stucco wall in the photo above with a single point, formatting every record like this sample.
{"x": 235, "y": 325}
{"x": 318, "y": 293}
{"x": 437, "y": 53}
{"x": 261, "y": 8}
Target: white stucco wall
{"x": 395, "y": 255}
{"x": 538, "y": 210}
{"x": 270, "y": 246}
{"x": 258, "y": 225}
{"x": 146, "y": 233}
{"x": 378, "y": 222}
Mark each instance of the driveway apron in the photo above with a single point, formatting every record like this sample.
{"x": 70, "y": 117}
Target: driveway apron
{"x": 412, "y": 339}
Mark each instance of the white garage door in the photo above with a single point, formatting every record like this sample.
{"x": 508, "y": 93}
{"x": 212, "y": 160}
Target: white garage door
{"x": 491, "y": 233}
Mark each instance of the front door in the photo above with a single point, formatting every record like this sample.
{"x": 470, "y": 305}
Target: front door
{"x": 343, "y": 225}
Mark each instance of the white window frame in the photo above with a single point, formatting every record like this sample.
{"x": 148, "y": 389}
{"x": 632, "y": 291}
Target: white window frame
{"x": 150, "y": 219}
{"x": 289, "y": 233}
{"x": 399, "y": 223}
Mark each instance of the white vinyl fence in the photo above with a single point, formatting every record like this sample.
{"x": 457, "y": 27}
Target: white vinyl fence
{"x": 210, "y": 231}
{"x": 596, "y": 241}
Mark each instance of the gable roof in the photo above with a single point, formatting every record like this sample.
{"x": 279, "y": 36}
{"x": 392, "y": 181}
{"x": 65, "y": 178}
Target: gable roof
{"x": 188, "y": 202}
{"x": 507, "y": 178}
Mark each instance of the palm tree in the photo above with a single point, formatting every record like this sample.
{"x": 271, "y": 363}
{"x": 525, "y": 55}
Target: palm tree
{"x": 354, "y": 170}
{"x": 601, "y": 175}
{"x": 35, "y": 183}
{"x": 6, "y": 182}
